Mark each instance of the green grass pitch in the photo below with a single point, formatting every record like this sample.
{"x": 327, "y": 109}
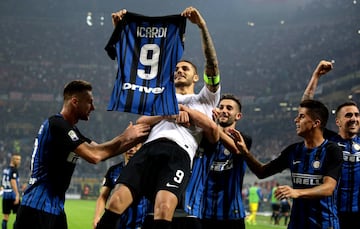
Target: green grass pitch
{"x": 80, "y": 215}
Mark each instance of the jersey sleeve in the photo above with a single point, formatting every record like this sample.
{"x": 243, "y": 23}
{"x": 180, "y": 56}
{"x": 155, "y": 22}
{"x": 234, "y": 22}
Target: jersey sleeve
{"x": 14, "y": 174}
{"x": 107, "y": 178}
{"x": 333, "y": 160}
{"x": 280, "y": 163}
{"x": 68, "y": 137}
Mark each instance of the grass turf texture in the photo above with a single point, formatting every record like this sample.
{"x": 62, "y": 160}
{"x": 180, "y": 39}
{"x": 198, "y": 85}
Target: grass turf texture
{"x": 80, "y": 215}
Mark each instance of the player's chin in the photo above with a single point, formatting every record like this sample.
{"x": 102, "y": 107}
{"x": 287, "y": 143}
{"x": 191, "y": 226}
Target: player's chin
{"x": 85, "y": 118}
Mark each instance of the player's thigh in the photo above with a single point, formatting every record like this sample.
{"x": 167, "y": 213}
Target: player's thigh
{"x": 7, "y": 206}
{"x": 253, "y": 207}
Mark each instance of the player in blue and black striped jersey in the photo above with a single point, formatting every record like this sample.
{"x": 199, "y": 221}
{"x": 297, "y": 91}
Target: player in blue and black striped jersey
{"x": 147, "y": 50}
{"x": 58, "y": 146}
{"x": 11, "y": 192}
{"x": 134, "y": 216}
{"x": 347, "y": 120}
{"x": 315, "y": 166}
{"x": 214, "y": 190}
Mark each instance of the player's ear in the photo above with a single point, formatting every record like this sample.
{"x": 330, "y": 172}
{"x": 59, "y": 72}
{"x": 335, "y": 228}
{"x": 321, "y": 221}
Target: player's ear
{"x": 316, "y": 123}
{"x": 196, "y": 78}
{"x": 74, "y": 100}
{"x": 238, "y": 116}
{"x": 337, "y": 122}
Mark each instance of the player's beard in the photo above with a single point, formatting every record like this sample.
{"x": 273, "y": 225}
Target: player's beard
{"x": 352, "y": 128}
{"x": 226, "y": 124}
{"x": 182, "y": 84}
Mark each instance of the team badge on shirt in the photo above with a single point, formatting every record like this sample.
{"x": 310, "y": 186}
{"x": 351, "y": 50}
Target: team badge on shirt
{"x": 356, "y": 146}
{"x": 73, "y": 135}
{"x": 316, "y": 164}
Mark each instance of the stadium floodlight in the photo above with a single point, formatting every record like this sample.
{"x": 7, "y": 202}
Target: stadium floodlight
{"x": 89, "y": 19}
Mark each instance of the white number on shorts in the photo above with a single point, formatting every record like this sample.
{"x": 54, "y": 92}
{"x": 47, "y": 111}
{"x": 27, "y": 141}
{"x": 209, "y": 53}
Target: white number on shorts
{"x": 152, "y": 61}
{"x": 179, "y": 176}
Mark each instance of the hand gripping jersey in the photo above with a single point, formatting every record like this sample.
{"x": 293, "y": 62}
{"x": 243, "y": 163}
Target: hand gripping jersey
{"x": 147, "y": 51}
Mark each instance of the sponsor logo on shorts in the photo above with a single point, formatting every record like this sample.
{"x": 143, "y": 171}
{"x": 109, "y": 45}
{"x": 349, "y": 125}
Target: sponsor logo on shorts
{"x": 171, "y": 185}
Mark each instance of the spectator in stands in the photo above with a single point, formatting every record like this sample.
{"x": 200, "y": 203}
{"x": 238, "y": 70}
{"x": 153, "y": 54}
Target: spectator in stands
{"x": 315, "y": 166}
{"x": 347, "y": 137}
{"x": 57, "y": 148}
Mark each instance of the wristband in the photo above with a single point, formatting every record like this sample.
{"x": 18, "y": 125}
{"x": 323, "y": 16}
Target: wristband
{"x": 212, "y": 80}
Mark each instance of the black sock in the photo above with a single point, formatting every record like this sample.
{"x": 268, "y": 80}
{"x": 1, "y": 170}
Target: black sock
{"x": 161, "y": 224}
{"x": 108, "y": 220}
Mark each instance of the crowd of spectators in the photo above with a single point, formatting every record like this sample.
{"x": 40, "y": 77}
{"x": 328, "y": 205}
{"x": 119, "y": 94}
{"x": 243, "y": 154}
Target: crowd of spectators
{"x": 264, "y": 64}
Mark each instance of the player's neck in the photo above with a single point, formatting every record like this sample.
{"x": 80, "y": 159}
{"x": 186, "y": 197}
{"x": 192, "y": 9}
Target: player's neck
{"x": 346, "y": 135}
{"x": 184, "y": 90}
{"x": 225, "y": 128}
{"x": 314, "y": 141}
{"x": 68, "y": 117}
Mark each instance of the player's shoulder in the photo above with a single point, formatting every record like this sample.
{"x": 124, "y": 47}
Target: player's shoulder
{"x": 117, "y": 166}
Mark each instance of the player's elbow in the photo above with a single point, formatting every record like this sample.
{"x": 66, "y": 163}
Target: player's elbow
{"x": 93, "y": 159}
{"x": 329, "y": 186}
{"x": 328, "y": 191}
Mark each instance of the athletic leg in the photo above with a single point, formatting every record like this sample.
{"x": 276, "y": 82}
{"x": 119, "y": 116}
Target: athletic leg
{"x": 119, "y": 201}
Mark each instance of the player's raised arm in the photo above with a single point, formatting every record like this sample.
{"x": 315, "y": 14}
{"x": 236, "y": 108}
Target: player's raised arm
{"x": 211, "y": 73}
{"x": 322, "y": 68}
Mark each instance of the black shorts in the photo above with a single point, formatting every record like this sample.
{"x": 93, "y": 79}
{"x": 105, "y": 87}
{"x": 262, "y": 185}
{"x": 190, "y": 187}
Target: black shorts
{"x": 349, "y": 219}
{"x": 32, "y": 218}
{"x": 181, "y": 220}
{"x": 275, "y": 207}
{"x": 8, "y": 206}
{"x": 285, "y": 208}
{"x": 228, "y": 224}
{"x": 158, "y": 165}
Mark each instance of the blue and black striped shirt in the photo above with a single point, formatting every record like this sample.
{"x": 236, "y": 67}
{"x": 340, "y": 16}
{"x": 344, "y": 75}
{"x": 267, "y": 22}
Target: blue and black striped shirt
{"x": 147, "y": 51}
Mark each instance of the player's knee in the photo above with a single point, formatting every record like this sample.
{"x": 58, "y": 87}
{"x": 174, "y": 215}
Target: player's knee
{"x": 118, "y": 202}
{"x": 163, "y": 211}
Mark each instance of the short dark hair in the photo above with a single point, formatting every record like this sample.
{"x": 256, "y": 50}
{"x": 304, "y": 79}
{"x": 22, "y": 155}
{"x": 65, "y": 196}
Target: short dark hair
{"x": 346, "y": 104}
{"x": 316, "y": 110}
{"x": 76, "y": 86}
{"x": 232, "y": 97}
